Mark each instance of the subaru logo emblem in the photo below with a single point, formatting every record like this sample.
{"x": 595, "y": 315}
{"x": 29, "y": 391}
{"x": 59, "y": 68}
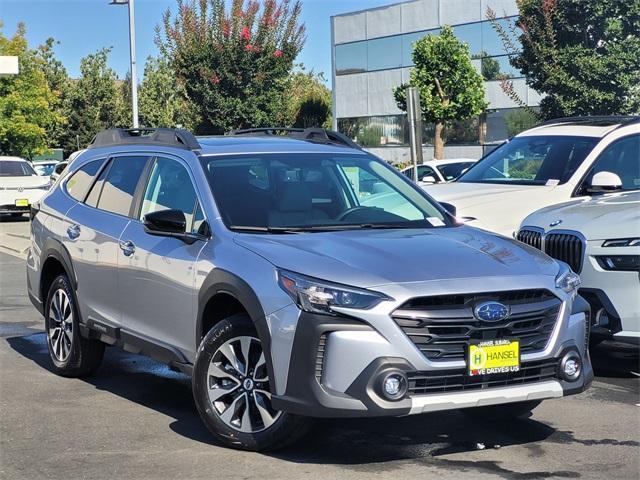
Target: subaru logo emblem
{"x": 491, "y": 311}
{"x": 555, "y": 222}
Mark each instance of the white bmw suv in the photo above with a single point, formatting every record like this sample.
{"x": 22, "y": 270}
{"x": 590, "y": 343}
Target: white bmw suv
{"x": 600, "y": 240}
{"x": 555, "y": 162}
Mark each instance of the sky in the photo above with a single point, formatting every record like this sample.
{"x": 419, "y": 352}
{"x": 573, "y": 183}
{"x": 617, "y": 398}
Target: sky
{"x": 85, "y": 26}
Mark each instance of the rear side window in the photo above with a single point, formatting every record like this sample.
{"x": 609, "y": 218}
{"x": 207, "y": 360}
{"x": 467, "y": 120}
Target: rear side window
{"x": 79, "y": 182}
{"x": 120, "y": 184}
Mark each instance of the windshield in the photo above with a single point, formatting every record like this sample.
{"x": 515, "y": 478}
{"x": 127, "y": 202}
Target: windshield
{"x": 45, "y": 169}
{"x": 452, "y": 171}
{"x": 15, "y": 169}
{"x": 535, "y": 160}
{"x": 315, "y": 192}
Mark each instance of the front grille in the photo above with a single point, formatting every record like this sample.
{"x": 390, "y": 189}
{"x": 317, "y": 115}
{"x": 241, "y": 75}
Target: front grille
{"x": 565, "y": 247}
{"x": 562, "y": 246}
{"x": 320, "y": 356}
{"x": 421, "y": 383}
{"x": 442, "y": 326}
{"x": 530, "y": 237}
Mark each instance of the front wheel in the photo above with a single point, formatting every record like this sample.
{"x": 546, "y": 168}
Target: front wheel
{"x": 71, "y": 354}
{"x": 232, "y": 390}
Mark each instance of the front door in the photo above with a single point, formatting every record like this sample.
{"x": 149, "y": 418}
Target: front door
{"x": 156, "y": 273}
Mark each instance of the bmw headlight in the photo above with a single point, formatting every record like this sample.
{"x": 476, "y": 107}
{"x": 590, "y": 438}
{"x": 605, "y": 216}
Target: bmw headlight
{"x": 317, "y": 296}
{"x": 567, "y": 279}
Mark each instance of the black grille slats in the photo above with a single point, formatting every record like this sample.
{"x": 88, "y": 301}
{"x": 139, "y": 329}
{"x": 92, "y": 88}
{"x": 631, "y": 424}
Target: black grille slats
{"x": 421, "y": 383}
{"x": 566, "y": 247}
{"x": 441, "y": 327}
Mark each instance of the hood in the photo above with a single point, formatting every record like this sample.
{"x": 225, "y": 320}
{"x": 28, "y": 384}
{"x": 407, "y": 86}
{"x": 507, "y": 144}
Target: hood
{"x": 32, "y": 181}
{"x": 498, "y": 208}
{"x": 598, "y": 218}
{"x": 368, "y": 258}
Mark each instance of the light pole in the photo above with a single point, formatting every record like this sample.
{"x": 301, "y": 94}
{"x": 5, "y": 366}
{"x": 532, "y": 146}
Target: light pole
{"x": 132, "y": 53}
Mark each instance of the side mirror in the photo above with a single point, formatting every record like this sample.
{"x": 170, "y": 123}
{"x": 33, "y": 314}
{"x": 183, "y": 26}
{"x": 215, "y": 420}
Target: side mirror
{"x": 449, "y": 208}
{"x": 428, "y": 179}
{"x": 167, "y": 223}
{"x": 604, "y": 182}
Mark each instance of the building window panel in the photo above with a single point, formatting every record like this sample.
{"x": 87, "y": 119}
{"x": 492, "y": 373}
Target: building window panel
{"x": 491, "y": 42}
{"x": 496, "y": 68}
{"x": 384, "y": 53}
{"x": 408, "y": 40}
{"x": 351, "y": 58}
{"x": 505, "y": 123}
{"x": 470, "y": 33}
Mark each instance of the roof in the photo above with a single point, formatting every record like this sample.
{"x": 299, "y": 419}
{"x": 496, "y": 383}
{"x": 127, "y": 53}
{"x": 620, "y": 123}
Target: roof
{"x": 587, "y": 126}
{"x": 230, "y": 145}
{"x": 12, "y": 159}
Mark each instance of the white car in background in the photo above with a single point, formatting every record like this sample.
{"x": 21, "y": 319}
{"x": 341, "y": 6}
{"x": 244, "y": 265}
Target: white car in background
{"x": 20, "y": 186}
{"x": 57, "y": 170}
{"x": 599, "y": 239}
{"x": 438, "y": 171}
{"x": 552, "y": 163}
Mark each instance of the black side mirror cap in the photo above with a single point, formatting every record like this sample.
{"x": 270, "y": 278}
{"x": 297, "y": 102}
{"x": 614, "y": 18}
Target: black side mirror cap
{"x": 165, "y": 222}
{"x": 449, "y": 208}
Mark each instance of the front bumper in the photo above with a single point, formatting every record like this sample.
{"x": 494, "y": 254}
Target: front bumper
{"x": 327, "y": 350}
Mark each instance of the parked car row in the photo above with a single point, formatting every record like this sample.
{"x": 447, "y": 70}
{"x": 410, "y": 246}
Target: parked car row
{"x": 585, "y": 173}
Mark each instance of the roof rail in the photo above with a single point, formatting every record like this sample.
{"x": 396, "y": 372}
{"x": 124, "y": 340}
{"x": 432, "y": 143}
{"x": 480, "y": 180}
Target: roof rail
{"x": 603, "y": 120}
{"x": 315, "y": 135}
{"x": 168, "y": 137}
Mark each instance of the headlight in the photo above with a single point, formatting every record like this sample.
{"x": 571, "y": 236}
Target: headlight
{"x": 623, "y": 263}
{"x": 44, "y": 187}
{"x": 317, "y": 296}
{"x": 622, "y": 242}
{"x": 567, "y": 280}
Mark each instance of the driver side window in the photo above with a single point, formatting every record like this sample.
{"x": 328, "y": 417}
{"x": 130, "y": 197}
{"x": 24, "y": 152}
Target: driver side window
{"x": 622, "y": 157}
{"x": 170, "y": 188}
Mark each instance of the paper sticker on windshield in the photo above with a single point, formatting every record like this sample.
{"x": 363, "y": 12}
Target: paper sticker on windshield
{"x": 552, "y": 182}
{"x": 435, "y": 221}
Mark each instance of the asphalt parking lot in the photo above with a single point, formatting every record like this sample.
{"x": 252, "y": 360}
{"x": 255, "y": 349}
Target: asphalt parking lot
{"x": 135, "y": 419}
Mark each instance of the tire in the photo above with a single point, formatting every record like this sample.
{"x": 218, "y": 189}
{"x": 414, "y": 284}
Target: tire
{"x": 504, "y": 411}
{"x": 70, "y": 353}
{"x": 222, "y": 389}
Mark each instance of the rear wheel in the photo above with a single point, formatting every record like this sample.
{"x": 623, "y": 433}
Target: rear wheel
{"x": 232, "y": 390}
{"x": 504, "y": 411}
{"x": 71, "y": 355}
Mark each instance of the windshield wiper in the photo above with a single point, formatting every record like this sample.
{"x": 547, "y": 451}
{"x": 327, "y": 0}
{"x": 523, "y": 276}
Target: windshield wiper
{"x": 257, "y": 229}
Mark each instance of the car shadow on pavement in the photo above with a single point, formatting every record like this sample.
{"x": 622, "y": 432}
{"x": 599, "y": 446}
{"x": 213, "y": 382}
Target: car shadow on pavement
{"x": 336, "y": 441}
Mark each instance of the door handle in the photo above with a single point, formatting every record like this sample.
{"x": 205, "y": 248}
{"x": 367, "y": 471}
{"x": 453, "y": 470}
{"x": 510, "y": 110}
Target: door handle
{"x": 128, "y": 248}
{"x": 73, "y": 231}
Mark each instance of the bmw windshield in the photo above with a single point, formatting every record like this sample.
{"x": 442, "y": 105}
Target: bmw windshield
{"x": 531, "y": 160}
{"x": 316, "y": 192}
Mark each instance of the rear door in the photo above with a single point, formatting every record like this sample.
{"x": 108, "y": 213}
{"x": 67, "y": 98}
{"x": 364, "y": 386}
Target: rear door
{"x": 156, "y": 273}
{"x": 92, "y": 235}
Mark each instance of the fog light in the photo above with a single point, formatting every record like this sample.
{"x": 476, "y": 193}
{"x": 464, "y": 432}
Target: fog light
{"x": 571, "y": 366}
{"x": 394, "y": 385}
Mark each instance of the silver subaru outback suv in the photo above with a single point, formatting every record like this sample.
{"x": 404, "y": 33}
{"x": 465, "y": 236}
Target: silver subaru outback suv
{"x": 293, "y": 276}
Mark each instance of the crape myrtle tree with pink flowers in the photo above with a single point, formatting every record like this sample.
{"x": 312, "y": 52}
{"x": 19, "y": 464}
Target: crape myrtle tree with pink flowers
{"x": 234, "y": 63}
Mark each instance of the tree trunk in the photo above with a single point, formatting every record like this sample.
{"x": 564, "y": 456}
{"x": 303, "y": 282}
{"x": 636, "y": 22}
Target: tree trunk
{"x": 438, "y": 142}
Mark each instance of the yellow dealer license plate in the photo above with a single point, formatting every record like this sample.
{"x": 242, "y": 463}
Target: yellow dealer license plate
{"x": 22, "y": 202}
{"x": 494, "y": 356}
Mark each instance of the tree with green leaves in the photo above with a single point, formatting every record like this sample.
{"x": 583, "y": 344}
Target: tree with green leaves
{"x": 94, "y": 103}
{"x": 26, "y": 101}
{"x": 309, "y": 100}
{"x": 162, "y": 101}
{"x": 450, "y": 87}
{"x": 234, "y": 63}
{"x": 582, "y": 54}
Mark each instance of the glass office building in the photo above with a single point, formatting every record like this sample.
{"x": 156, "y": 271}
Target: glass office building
{"x": 372, "y": 54}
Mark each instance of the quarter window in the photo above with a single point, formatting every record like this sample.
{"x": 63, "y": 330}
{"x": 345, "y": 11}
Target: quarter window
{"x": 79, "y": 182}
{"x": 170, "y": 188}
{"x": 120, "y": 184}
